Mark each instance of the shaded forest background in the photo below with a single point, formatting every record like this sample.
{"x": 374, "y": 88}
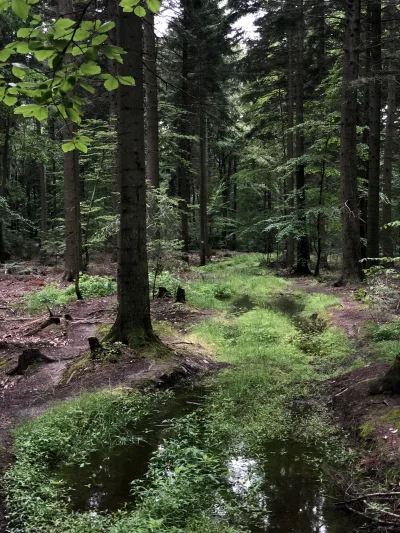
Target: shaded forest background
{"x": 250, "y": 150}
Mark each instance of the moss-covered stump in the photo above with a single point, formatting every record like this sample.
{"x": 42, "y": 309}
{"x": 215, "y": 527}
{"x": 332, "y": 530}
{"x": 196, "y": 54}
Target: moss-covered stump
{"x": 390, "y": 382}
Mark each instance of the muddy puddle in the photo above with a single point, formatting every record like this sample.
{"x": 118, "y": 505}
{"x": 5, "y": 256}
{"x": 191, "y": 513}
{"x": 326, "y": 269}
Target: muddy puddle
{"x": 288, "y": 305}
{"x": 281, "y": 490}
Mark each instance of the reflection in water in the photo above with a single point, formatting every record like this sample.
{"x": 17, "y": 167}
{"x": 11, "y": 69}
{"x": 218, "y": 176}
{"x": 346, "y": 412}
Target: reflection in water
{"x": 104, "y": 484}
{"x": 290, "y": 497}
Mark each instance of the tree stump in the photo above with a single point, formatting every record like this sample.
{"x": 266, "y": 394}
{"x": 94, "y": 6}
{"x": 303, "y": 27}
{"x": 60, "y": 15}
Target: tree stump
{"x": 180, "y": 295}
{"x": 96, "y": 348}
{"x": 163, "y": 293}
{"x": 390, "y": 382}
{"x": 27, "y": 358}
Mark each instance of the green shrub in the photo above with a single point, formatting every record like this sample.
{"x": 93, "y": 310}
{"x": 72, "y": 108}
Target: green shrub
{"x": 53, "y": 295}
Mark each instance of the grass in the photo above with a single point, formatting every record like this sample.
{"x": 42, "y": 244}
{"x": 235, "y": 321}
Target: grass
{"x": 52, "y": 295}
{"x": 274, "y": 362}
{"x": 384, "y": 340}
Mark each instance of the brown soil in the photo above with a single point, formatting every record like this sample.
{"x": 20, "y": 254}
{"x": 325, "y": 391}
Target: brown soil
{"x": 44, "y": 383}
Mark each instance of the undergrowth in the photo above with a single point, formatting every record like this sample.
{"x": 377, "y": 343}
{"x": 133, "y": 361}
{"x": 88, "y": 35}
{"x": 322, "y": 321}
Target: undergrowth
{"x": 52, "y": 295}
{"x": 274, "y": 363}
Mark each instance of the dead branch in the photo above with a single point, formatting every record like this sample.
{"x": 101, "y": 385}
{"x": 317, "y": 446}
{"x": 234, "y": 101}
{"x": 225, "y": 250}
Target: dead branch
{"x": 42, "y": 324}
{"x": 371, "y": 495}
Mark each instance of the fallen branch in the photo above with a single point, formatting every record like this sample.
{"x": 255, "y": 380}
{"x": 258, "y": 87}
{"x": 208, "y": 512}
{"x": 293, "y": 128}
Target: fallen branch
{"x": 42, "y": 324}
{"x": 371, "y": 495}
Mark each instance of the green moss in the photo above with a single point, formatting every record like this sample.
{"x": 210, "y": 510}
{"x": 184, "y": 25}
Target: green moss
{"x": 391, "y": 418}
{"x": 77, "y": 368}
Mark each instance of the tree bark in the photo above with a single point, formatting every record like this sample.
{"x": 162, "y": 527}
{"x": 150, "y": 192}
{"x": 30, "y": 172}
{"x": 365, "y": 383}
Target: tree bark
{"x": 184, "y": 143}
{"x": 290, "y": 151}
{"x": 4, "y": 254}
{"x": 374, "y": 9}
{"x": 302, "y": 242}
{"x": 150, "y": 79}
{"x": 203, "y": 185}
{"x": 43, "y": 192}
{"x": 73, "y": 240}
{"x": 133, "y": 323}
{"x": 351, "y": 270}
{"x": 387, "y": 241}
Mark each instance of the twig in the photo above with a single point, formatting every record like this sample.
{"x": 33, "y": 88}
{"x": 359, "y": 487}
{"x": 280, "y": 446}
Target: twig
{"x": 371, "y": 495}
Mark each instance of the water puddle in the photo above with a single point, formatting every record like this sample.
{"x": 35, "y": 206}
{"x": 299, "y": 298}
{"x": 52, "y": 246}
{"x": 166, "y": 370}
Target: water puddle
{"x": 104, "y": 483}
{"x": 289, "y": 494}
{"x": 279, "y": 491}
{"x": 287, "y": 304}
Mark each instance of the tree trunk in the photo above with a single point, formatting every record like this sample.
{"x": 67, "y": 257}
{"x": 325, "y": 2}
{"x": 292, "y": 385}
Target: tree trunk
{"x": 184, "y": 146}
{"x": 73, "y": 240}
{"x": 150, "y": 79}
{"x": 351, "y": 270}
{"x": 113, "y": 96}
{"x": 133, "y": 323}
{"x": 234, "y": 206}
{"x": 387, "y": 241}
{"x": 43, "y": 192}
{"x": 374, "y": 10}
{"x": 302, "y": 242}
{"x": 290, "y": 152}
{"x": 4, "y": 254}
{"x": 203, "y": 186}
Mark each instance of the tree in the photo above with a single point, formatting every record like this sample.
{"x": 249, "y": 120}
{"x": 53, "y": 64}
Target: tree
{"x": 387, "y": 240}
{"x": 133, "y": 324}
{"x": 351, "y": 270}
{"x": 374, "y": 10}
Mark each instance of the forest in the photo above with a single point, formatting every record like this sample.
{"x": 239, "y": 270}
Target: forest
{"x": 199, "y": 266}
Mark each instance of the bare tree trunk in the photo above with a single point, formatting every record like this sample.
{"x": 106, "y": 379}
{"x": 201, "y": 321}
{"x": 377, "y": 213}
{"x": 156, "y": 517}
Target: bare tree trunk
{"x": 133, "y": 323}
{"x": 184, "y": 147}
{"x": 387, "y": 241}
{"x": 203, "y": 186}
{"x": 73, "y": 240}
{"x": 374, "y": 9}
{"x": 150, "y": 79}
{"x": 43, "y": 192}
{"x": 302, "y": 242}
{"x": 290, "y": 120}
{"x": 4, "y": 254}
{"x": 113, "y": 96}
{"x": 351, "y": 270}
{"x": 234, "y": 206}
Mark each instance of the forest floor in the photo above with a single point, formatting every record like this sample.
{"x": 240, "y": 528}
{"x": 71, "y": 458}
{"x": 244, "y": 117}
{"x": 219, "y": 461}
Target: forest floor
{"x": 375, "y": 419}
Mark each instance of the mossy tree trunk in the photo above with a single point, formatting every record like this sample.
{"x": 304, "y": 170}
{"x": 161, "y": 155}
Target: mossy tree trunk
{"x": 133, "y": 324}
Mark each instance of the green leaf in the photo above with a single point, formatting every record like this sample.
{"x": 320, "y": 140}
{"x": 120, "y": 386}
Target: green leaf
{"x": 41, "y": 113}
{"x": 68, "y": 147}
{"x": 10, "y": 100}
{"x": 106, "y": 27}
{"x": 81, "y": 35}
{"x": 87, "y": 87}
{"x": 5, "y": 54}
{"x": 63, "y": 23}
{"x": 43, "y": 54}
{"x": 90, "y": 68}
{"x": 79, "y": 50}
{"x": 126, "y": 80}
{"x": 22, "y": 47}
{"x": 73, "y": 115}
{"x": 19, "y": 71}
{"x": 99, "y": 39}
{"x": 24, "y": 32}
{"x": 140, "y": 11}
{"x": 111, "y": 83}
{"x": 81, "y": 147}
{"x": 20, "y": 8}
{"x": 153, "y": 5}
{"x": 3, "y": 5}
{"x": 128, "y": 5}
